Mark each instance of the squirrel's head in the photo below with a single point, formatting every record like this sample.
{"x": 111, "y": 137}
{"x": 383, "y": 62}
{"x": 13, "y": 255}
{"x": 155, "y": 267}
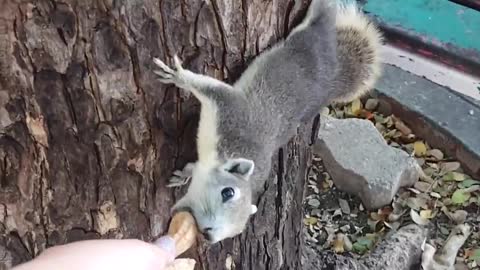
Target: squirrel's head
{"x": 220, "y": 198}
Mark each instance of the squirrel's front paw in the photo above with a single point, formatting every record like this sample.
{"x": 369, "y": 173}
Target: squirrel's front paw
{"x": 181, "y": 177}
{"x": 167, "y": 74}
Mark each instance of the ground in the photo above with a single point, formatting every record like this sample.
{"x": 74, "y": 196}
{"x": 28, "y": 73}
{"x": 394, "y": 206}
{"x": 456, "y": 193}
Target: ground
{"x": 337, "y": 221}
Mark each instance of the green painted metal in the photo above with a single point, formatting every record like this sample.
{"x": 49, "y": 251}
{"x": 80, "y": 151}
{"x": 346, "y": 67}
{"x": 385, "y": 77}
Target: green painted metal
{"x": 437, "y": 21}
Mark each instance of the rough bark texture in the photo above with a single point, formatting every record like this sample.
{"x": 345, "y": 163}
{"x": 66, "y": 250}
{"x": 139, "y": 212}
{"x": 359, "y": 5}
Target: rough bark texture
{"x": 88, "y": 137}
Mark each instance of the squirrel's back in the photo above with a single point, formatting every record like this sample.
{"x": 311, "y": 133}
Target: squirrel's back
{"x": 332, "y": 56}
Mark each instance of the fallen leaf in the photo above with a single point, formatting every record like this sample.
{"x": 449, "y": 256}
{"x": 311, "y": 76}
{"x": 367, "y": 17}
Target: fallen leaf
{"x": 359, "y": 248}
{"x": 356, "y": 107}
{"x": 475, "y": 255}
{"x": 417, "y": 218}
{"x": 460, "y": 196}
{"x": 402, "y": 127}
{"x": 454, "y": 176}
{"x": 459, "y": 216}
{"x": 347, "y": 243}
{"x": 393, "y": 226}
{"x": 344, "y": 206}
{"x": 415, "y": 191}
{"x": 468, "y": 183}
{"x": 437, "y": 154}
{"x": 310, "y": 221}
{"x": 397, "y": 212}
{"x": 314, "y": 203}
{"x": 362, "y": 245}
{"x": 460, "y": 266}
{"x": 388, "y": 121}
{"x": 345, "y": 228}
{"x": 327, "y": 184}
{"x": 338, "y": 244}
{"x": 450, "y": 166}
{"x": 422, "y": 186}
{"x": 419, "y": 148}
{"x": 426, "y": 214}
{"x": 435, "y": 195}
{"x": 374, "y": 224}
{"x": 417, "y": 203}
{"x": 331, "y": 236}
{"x": 337, "y": 213}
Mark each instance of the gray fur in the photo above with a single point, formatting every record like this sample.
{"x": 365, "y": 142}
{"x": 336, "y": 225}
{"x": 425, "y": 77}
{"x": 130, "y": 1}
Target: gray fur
{"x": 282, "y": 88}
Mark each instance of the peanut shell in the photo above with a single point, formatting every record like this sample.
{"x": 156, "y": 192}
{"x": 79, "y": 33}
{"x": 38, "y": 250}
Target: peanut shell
{"x": 183, "y": 229}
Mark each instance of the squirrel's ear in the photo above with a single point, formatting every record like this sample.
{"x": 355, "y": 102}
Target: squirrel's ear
{"x": 254, "y": 209}
{"x": 241, "y": 166}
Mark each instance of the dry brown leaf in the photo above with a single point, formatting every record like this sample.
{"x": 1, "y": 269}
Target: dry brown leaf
{"x": 450, "y": 166}
{"x": 402, "y": 127}
{"x": 339, "y": 243}
{"x": 344, "y": 206}
{"x": 436, "y": 153}
{"x": 397, "y": 212}
{"x": 458, "y": 216}
{"x": 435, "y": 195}
{"x": 417, "y": 203}
{"x": 422, "y": 186}
{"x": 417, "y": 218}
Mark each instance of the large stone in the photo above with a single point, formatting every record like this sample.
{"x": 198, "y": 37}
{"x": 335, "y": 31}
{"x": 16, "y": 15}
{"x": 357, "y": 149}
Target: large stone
{"x": 401, "y": 250}
{"x": 361, "y": 162}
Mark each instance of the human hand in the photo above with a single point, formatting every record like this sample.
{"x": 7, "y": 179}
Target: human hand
{"x": 106, "y": 254}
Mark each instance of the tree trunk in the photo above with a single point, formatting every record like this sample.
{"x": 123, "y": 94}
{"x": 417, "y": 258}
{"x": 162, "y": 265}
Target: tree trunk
{"x": 89, "y": 137}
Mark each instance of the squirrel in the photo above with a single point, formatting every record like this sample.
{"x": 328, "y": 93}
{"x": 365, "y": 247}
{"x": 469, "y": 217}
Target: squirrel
{"x": 332, "y": 56}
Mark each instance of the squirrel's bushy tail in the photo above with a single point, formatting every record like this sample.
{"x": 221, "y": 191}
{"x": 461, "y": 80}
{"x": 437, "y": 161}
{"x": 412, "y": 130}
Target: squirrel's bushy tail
{"x": 358, "y": 52}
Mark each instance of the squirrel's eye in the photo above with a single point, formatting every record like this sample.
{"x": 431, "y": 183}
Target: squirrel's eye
{"x": 227, "y": 194}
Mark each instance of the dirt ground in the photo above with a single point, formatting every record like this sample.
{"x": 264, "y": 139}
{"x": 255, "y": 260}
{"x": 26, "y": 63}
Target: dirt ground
{"x": 337, "y": 221}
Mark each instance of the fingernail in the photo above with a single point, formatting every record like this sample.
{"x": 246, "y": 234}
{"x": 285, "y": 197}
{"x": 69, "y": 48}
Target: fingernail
{"x": 166, "y": 243}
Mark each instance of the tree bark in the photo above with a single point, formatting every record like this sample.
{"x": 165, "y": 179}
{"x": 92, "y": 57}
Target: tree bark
{"x": 88, "y": 137}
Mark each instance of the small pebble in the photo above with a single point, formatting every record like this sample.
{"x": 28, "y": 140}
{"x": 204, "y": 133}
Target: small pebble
{"x": 371, "y": 104}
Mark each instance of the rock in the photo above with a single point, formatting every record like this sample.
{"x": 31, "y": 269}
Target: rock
{"x": 371, "y": 104}
{"x": 360, "y": 161}
{"x": 401, "y": 250}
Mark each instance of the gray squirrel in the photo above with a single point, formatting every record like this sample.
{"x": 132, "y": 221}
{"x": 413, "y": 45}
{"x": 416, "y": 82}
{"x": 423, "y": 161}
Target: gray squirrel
{"x": 331, "y": 56}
